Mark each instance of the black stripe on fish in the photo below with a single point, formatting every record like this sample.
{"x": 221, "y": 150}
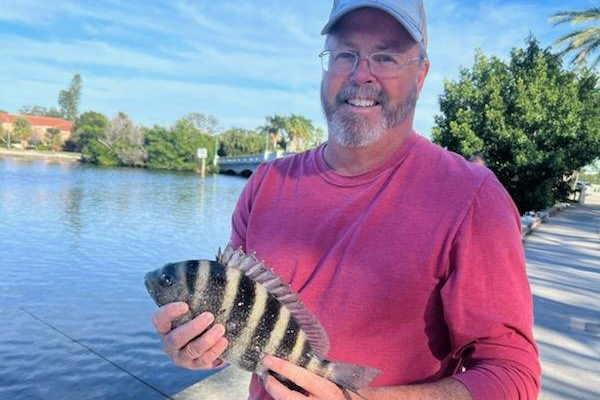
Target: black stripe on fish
{"x": 305, "y": 357}
{"x": 217, "y": 280}
{"x": 261, "y": 334}
{"x": 324, "y": 367}
{"x": 191, "y": 271}
{"x": 169, "y": 271}
{"x": 292, "y": 332}
{"x": 242, "y": 306}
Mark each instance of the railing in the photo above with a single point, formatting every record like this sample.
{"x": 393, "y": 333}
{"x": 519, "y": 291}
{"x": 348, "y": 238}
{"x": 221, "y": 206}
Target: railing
{"x": 245, "y": 165}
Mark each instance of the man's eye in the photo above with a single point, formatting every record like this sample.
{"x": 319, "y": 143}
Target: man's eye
{"x": 345, "y": 56}
{"x": 384, "y": 58}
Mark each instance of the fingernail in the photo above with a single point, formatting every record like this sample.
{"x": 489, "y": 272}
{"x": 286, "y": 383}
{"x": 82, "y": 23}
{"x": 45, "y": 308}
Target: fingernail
{"x": 220, "y": 329}
{"x": 268, "y": 361}
{"x": 207, "y": 317}
{"x": 263, "y": 378}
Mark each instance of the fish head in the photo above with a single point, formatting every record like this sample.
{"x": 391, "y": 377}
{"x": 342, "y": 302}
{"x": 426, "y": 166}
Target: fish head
{"x": 166, "y": 285}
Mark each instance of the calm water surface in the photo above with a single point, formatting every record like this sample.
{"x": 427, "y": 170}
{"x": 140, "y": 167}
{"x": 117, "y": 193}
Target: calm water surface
{"x": 75, "y": 243}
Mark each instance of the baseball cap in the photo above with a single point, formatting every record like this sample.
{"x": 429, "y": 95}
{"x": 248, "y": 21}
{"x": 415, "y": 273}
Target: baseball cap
{"x": 410, "y": 13}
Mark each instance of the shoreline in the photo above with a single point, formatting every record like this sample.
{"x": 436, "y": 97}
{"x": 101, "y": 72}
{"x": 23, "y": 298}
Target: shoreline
{"x": 63, "y": 155}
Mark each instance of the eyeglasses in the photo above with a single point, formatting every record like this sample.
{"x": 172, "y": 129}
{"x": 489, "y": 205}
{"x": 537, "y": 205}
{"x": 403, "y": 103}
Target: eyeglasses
{"x": 385, "y": 65}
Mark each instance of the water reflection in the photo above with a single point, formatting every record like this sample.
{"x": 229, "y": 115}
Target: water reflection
{"x": 72, "y": 210}
{"x": 75, "y": 242}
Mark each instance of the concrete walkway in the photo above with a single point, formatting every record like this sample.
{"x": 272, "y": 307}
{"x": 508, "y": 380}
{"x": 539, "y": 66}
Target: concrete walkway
{"x": 563, "y": 263}
{"x": 231, "y": 383}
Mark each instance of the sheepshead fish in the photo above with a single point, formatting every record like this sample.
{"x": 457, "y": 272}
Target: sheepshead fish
{"x": 262, "y": 316}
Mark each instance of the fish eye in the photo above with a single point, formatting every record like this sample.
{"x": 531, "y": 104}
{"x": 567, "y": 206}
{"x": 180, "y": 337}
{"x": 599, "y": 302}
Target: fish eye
{"x": 165, "y": 280}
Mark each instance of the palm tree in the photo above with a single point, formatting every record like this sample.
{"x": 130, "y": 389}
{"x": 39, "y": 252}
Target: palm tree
{"x": 275, "y": 128}
{"x": 583, "y": 42}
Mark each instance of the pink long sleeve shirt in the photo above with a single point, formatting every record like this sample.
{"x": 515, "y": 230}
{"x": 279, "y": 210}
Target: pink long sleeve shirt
{"x": 415, "y": 268}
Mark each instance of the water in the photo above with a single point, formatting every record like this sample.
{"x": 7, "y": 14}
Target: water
{"x": 75, "y": 243}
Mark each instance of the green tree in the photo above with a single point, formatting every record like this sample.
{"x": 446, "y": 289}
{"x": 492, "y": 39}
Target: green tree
{"x": 239, "y": 141}
{"x": 88, "y": 137}
{"x": 22, "y": 130}
{"x": 582, "y": 42}
{"x": 68, "y": 99}
{"x": 53, "y": 139}
{"x": 291, "y": 133}
{"x": 535, "y": 122}
{"x": 89, "y": 126}
{"x": 97, "y": 152}
{"x": 301, "y": 133}
{"x": 6, "y": 137}
{"x": 274, "y": 129}
{"x": 176, "y": 148}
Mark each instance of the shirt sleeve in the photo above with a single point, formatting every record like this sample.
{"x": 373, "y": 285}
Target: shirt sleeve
{"x": 487, "y": 301}
{"x": 241, "y": 213}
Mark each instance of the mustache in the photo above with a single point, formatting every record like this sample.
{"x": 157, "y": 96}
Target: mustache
{"x": 364, "y": 92}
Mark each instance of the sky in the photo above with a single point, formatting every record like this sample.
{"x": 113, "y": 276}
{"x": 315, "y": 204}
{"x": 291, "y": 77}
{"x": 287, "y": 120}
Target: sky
{"x": 237, "y": 60}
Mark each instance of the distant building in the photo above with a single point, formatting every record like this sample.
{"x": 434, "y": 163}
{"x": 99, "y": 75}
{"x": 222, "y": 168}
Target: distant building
{"x": 39, "y": 126}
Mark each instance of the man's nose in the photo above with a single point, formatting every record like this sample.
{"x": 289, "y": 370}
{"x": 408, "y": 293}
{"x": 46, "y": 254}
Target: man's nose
{"x": 362, "y": 73}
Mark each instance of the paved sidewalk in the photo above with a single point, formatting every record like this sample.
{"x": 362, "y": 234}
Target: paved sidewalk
{"x": 563, "y": 262}
{"x": 230, "y": 383}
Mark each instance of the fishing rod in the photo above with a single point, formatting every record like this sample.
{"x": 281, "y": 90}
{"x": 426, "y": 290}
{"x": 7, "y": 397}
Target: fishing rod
{"x": 95, "y": 353}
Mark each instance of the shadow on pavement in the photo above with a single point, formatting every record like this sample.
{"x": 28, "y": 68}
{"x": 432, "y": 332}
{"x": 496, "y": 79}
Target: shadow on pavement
{"x": 563, "y": 265}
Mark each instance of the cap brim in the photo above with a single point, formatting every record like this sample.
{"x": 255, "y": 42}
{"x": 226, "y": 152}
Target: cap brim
{"x": 402, "y": 19}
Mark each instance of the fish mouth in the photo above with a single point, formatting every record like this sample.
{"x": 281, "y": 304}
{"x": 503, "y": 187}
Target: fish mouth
{"x": 148, "y": 279}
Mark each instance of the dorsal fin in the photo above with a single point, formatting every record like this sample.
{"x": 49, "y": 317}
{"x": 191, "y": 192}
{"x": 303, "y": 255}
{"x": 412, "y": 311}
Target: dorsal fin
{"x": 255, "y": 270}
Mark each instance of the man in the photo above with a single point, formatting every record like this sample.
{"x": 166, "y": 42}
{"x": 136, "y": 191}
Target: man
{"x": 408, "y": 255}
{"x": 478, "y": 159}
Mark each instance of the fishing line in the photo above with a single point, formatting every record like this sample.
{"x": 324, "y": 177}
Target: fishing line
{"x": 94, "y": 352}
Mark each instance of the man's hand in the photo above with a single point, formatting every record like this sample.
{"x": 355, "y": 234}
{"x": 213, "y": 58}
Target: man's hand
{"x": 318, "y": 387}
{"x": 200, "y": 353}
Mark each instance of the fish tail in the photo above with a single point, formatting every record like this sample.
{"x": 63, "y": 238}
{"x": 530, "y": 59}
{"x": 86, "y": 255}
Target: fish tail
{"x": 351, "y": 377}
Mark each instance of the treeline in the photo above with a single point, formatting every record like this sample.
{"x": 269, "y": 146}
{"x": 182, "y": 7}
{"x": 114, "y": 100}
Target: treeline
{"x": 120, "y": 142}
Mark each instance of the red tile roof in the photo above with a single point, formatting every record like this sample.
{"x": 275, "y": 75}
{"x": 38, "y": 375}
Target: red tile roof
{"x": 59, "y": 123}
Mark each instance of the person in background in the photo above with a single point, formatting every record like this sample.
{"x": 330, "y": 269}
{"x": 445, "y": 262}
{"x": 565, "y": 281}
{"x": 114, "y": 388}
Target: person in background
{"x": 409, "y": 256}
{"x": 478, "y": 159}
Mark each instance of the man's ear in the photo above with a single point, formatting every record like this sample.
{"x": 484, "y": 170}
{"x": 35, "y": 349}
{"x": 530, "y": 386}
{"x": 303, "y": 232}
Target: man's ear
{"x": 422, "y": 74}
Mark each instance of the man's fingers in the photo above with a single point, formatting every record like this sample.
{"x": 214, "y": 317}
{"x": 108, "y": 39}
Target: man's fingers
{"x": 210, "y": 358}
{"x": 182, "y": 335}
{"x": 163, "y": 317}
{"x": 198, "y": 347}
{"x": 279, "y": 392}
{"x": 302, "y": 377}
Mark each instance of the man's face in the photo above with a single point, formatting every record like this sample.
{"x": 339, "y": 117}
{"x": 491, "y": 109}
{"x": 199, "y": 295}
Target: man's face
{"x": 390, "y": 101}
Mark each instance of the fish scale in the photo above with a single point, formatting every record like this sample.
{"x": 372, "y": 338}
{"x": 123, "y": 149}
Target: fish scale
{"x": 262, "y": 315}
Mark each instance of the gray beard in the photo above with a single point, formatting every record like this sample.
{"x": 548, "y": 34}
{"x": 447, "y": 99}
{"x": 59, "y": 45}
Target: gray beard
{"x": 351, "y": 130}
